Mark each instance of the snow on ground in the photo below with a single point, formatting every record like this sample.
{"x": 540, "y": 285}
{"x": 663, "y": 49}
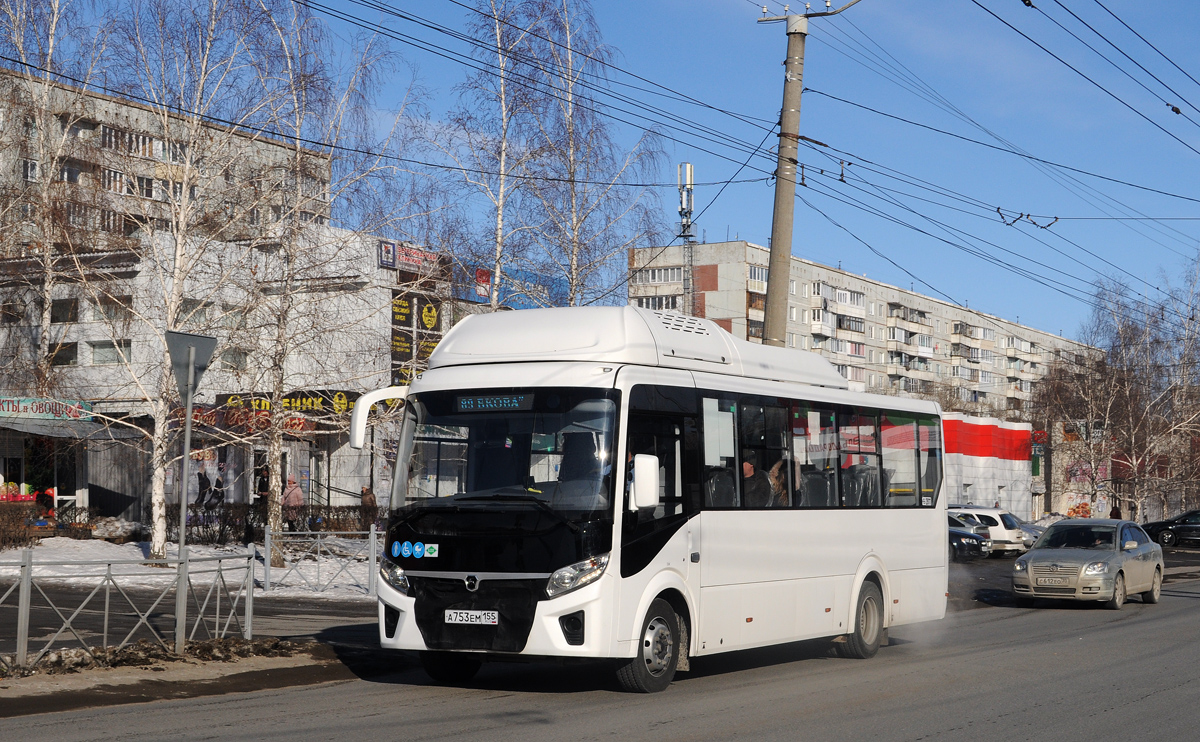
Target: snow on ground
{"x": 83, "y": 563}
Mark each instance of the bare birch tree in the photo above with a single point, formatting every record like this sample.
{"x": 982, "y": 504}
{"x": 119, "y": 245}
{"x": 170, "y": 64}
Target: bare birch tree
{"x": 339, "y": 188}
{"x": 483, "y": 136}
{"x": 588, "y": 210}
{"x": 188, "y": 62}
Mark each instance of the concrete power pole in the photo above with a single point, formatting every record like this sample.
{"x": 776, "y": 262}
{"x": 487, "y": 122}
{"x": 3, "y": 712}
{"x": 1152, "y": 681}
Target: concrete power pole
{"x": 780, "y": 266}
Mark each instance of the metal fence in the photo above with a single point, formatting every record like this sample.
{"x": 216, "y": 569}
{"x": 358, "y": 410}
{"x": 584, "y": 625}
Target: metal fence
{"x": 317, "y": 559}
{"x": 216, "y": 601}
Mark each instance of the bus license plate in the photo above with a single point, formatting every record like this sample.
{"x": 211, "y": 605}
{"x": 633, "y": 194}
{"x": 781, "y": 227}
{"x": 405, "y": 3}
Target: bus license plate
{"x": 485, "y": 618}
{"x": 1052, "y": 581}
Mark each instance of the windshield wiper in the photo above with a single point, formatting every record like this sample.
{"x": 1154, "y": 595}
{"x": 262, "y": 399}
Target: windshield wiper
{"x": 540, "y": 503}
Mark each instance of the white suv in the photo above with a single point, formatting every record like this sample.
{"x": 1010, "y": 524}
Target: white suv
{"x": 1003, "y": 525}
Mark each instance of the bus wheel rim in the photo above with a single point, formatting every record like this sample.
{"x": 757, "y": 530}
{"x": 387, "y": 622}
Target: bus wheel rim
{"x": 658, "y": 646}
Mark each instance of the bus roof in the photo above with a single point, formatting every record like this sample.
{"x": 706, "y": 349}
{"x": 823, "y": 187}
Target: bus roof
{"x": 625, "y": 335}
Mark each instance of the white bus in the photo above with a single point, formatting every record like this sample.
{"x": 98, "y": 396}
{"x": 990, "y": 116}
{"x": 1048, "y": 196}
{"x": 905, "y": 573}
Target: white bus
{"x": 612, "y": 482}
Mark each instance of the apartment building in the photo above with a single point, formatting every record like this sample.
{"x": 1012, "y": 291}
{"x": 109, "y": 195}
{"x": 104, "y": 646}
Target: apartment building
{"x": 103, "y": 199}
{"x": 882, "y": 338}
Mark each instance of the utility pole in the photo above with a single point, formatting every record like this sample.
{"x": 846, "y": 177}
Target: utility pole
{"x": 780, "y": 266}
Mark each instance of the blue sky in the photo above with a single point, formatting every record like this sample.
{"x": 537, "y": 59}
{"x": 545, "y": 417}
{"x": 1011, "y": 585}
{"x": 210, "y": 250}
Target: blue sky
{"x": 714, "y": 51}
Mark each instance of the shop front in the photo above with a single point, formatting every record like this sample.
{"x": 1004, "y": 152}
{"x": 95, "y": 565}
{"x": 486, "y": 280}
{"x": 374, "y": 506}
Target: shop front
{"x": 43, "y": 452}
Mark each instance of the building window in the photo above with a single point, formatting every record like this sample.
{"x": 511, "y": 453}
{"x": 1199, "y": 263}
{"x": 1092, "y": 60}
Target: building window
{"x": 11, "y": 313}
{"x": 68, "y": 172}
{"x": 792, "y": 288}
{"x": 791, "y": 314}
{"x": 234, "y": 359}
{"x": 64, "y": 310}
{"x": 113, "y": 180}
{"x": 177, "y": 151}
{"x": 856, "y": 349}
{"x": 145, "y": 187}
{"x": 758, "y": 273}
{"x": 29, "y": 171}
{"x": 659, "y": 303}
{"x": 658, "y": 275}
{"x": 110, "y": 354}
{"x": 856, "y": 374}
{"x": 252, "y": 217}
{"x": 853, "y": 324}
{"x": 925, "y": 341}
{"x": 114, "y": 309}
{"x": 65, "y": 354}
{"x": 192, "y": 312}
{"x": 112, "y": 221}
{"x": 754, "y": 329}
{"x": 791, "y": 337}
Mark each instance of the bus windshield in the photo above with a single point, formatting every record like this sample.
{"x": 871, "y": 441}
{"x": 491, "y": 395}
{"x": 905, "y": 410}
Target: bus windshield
{"x": 546, "y": 448}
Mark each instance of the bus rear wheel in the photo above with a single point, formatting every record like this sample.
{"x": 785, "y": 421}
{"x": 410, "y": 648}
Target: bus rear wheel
{"x": 653, "y": 667}
{"x": 863, "y": 642}
{"x": 447, "y": 667}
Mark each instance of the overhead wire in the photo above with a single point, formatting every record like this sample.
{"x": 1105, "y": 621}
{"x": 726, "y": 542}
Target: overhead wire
{"x": 1097, "y": 85}
{"x": 907, "y": 79}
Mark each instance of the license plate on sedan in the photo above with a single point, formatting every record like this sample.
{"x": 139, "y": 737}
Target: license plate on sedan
{"x": 483, "y": 618}
{"x": 1052, "y": 580}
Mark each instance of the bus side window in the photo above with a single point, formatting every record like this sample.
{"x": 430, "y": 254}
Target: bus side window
{"x": 814, "y": 457}
{"x": 764, "y": 474}
{"x": 719, "y": 483}
{"x": 898, "y": 438}
{"x": 859, "y": 449}
{"x": 929, "y": 460}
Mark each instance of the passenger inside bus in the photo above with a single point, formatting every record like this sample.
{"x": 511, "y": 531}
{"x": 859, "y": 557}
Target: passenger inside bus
{"x": 579, "y": 474}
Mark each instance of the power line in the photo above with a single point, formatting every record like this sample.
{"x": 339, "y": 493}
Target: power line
{"x": 901, "y": 76}
{"x": 1100, "y": 87}
{"x": 1119, "y": 68}
{"x": 1007, "y": 150}
{"x": 1144, "y": 40}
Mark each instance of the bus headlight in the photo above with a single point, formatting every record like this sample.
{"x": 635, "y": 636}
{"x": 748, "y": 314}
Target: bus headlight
{"x": 394, "y": 576}
{"x": 576, "y": 575}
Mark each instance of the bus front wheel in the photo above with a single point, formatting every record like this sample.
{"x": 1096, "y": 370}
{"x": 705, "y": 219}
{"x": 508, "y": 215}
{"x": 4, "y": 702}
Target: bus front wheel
{"x": 653, "y": 667}
{"x": 863, "y": 642}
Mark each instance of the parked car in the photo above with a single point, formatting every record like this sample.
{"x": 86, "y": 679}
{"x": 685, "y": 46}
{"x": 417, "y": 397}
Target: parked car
{"x": 1005, "y": 530}
{"x": 965, "y": 545}
{"x": 1032, "y": 530}
{"x": 1095, "y": 559}
{"x": 970, "y": 525}
{"x": 1180, "y": 529}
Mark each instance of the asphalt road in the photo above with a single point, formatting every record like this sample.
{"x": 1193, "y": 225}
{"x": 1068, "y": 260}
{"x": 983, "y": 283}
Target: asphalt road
{"x": 1059, "y": 671}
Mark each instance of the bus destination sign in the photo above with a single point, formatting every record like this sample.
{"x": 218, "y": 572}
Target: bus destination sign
{"x": 496, "y": 403}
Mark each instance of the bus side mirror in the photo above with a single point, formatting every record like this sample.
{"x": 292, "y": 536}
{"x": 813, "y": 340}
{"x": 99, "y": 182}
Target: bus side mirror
{"x": 645, "y": 481}
{"x": 362, "y": 408}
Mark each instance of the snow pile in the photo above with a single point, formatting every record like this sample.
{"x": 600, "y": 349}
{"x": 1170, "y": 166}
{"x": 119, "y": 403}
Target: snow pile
{"x": 115, "y": 528}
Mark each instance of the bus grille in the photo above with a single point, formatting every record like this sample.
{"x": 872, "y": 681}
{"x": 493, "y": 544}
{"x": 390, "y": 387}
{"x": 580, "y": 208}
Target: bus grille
{"x": 514, "y": 600}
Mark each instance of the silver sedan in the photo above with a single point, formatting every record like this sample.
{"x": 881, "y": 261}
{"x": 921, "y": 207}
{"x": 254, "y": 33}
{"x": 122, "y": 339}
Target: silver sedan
{"x": 1090, "y": 559}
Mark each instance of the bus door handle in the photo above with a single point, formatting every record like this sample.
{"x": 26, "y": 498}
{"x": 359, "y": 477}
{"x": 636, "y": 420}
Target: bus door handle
{"x": 695, "y": 557}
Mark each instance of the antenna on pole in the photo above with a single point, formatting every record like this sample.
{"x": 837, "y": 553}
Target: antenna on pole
{"x": 687, "y": 203}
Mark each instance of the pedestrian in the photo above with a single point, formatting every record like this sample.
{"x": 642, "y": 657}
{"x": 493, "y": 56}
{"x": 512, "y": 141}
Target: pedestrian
{"x": 369, "y": 508}
{"x": 293, "y": 500}
{"x": 1115, "y": 513}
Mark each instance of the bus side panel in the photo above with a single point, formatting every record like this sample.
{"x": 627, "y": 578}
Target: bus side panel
{"x": 764, "y": 613}
{"x": 921, "y": 593}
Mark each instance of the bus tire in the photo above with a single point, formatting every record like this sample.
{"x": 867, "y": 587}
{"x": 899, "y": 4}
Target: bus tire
{"x": 653, "y": 667}
{"x": 863, "y": 642}
{"x": 448, "y": 667}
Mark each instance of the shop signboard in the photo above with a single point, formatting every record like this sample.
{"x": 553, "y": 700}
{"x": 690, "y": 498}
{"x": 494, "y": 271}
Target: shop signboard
{"x": 44, "y": 409}
{"x": 518, "y": 289}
